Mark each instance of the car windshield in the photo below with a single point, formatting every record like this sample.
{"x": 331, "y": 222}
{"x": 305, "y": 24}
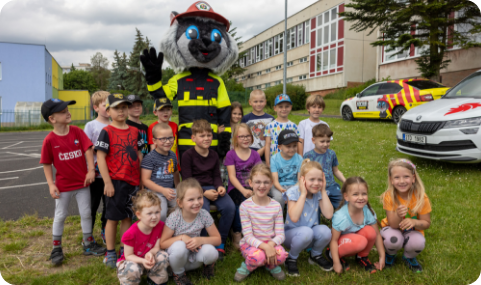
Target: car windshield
{"x": 469, "y": 87}
{"x": 424, "y": 84}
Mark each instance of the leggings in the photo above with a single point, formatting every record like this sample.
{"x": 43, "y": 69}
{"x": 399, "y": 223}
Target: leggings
{"x": 130, "y": 273}
{"x": 412, "y": 241}
{"x": 61, "y": 210}
{"x": 359, "y": 243}
{"x": 256, "y": 257}
{"x": 300, "y": 238}
{"x": 181, "y": 259}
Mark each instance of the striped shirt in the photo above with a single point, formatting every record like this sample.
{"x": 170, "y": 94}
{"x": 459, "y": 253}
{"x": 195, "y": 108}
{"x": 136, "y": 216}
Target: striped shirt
{"x": 261, "y": 223}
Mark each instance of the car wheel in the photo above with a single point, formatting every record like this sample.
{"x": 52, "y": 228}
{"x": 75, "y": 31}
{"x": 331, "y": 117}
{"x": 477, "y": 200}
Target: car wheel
{"x": 398, "y": 113}
{"x": 347, "y": 114}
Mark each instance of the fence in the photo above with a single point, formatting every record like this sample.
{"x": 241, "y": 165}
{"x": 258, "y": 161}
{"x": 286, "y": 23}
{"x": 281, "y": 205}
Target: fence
{"x": 30, "y": 118}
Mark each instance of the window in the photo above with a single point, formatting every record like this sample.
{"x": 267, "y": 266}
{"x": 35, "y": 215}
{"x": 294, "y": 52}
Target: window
{"x": 293, "y": 37}
{"x": 325, "y": 59}
{"x": 332, "y": 58}
{"x": 333, "y": 14}
{"x": 327, "y": 27}
{"x": 248, "y": 76}
{"x": 268, "y": 48}
{"x": 300, "y": 41}
{"x": 304, "y": 59}
{"x": 268, "y": 85}
{"x": 288, "y": 43}
{"x": 319, "y": 20}
{"x": 253, "y": 55}
{"x": 243, "y": 77}
{"x": 302, "y": 77}
{"x": 307, "y": 32}
{"x": 371, "y": 90}
{"x": 278, "y": 82}
{"x": 319, "y": 62}
{"x": 268, "y": 70}
{"x": 390, "y": 88}
{"x": 326, "y": 17}
{"x": 326, "y": 35}
{"x": 259, "y": 87}
{"x": 279, "y": 67}
{"x": 259, "y": 52}
{"x": 290, "y": 63}
{"x": 319, "y": 37}
{"x": 333, "y": 31}
{"x": 276, "y": 45}
{"x": 423, "y": 84}
{"x": 259, "y": 73}
{"x": 289, "y": 80}
{"x": 248, "y": 56}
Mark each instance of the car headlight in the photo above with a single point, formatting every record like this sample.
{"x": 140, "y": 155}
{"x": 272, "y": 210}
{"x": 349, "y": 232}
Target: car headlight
{"x": 471, "y": 122}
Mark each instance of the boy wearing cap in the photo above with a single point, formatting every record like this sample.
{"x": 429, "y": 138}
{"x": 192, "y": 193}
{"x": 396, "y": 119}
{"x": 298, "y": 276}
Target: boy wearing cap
{"x": 285, "y": 165}
{"x": 67, "y": 147}
{"x": 119, "y": 158}
{"x": 163, "y": 111}
{"x": 135, "y": 110}
{"x": 282, "y": 106}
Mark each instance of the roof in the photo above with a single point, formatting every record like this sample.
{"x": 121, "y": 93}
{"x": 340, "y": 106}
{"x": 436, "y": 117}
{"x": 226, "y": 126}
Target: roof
{"x": 31, "y": 44}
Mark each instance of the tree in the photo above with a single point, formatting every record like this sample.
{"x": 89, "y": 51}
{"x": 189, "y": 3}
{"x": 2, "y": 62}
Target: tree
{"x": 100, "y": 70}
{"x": 79, "y": 80}
{"x": 72, "y": 68}
{"x": 425, "y": 24}
{"x": 167, "y": 73}
{"x": 235, "y": 69}
{"x": 135, "y": 81}
{"x": 119, "y": 72}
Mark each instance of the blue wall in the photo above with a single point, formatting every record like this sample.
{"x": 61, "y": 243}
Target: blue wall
{"x": 48, "y": 73}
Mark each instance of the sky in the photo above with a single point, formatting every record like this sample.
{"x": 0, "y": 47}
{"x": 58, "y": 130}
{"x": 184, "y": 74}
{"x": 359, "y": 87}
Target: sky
{"x": 74, "y": 30}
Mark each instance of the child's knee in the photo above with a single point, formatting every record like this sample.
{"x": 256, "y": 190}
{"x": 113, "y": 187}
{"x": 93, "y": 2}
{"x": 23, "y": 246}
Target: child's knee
{"x": 414, "y": 241}
{"x": 281, "y": 254}
{"x": 256, "y": 258}
{"x": 209, "y": 254}
{"x": 369, "y": 232}
{"x": 322, "y": 232}
{"x": 129, "y": 272}
{"x": 178, "y": 248}
{"x": 162, "y": 257}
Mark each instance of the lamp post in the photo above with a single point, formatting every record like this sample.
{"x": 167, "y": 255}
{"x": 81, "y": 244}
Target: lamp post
{"x": 285, "y": 50}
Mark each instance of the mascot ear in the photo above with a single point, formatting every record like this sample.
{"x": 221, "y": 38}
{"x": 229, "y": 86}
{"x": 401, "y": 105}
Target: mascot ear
{"x": 173, "y": 14}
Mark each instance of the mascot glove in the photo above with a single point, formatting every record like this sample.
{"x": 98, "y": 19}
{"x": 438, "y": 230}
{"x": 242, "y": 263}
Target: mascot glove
{"x": 224, "y": 144}
{"x": 153, "y": 65}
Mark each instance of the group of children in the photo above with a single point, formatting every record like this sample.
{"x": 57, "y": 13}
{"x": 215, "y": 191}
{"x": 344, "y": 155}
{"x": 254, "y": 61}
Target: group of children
{"x": 275, "y": 169}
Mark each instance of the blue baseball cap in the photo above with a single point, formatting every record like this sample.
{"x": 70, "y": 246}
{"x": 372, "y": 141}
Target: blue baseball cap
{"x": 282, "y": 98}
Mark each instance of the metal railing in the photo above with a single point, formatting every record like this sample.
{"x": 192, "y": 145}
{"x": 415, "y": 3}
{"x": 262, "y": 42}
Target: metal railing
{"x": 30, "y": 118}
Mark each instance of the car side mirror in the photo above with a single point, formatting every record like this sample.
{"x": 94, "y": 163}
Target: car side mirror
{"x": 358, "y": 95}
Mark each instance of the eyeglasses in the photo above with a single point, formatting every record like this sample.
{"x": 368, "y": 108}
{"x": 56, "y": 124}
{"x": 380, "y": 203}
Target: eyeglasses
{"x": 244, "y": 137}
{"x": 164, "y": 140}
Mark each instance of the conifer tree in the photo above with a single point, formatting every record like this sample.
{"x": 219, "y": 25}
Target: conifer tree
{"x": 135, "y": 81}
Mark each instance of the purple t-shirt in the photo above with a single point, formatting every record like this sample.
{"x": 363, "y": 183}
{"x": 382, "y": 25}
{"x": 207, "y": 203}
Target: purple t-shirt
{"x": 242, "y": 167}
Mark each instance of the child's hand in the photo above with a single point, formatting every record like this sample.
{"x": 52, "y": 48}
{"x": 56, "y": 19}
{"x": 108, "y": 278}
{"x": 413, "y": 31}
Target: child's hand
{"x": 221, "y": 191}
{"x": 247, "y": 193}
{"x": 282, "y": 190}
{"x": 169, "y": 193}
{"x": 54, "y": 192}
{"x": 338, "y": 268}
{"x": 402, "y": 211}
{"x": 381, "y": 264}
{"x": 148, "y": 261}
{"x": 302, "y": 185}
{"x": 271, "y": 254}
{"x": 323, "y": 189}
{"x": 407, "y": 224}
{"x": 211, "y": 195}
{"x": 193, "y": 244}
{"x": 90, "y": 177}
{"x": 109, "y": 190}
{"x": 220, "y": 129}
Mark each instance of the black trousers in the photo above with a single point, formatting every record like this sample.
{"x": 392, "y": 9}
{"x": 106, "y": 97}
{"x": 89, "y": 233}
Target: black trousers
{"x": 97, "y": 194}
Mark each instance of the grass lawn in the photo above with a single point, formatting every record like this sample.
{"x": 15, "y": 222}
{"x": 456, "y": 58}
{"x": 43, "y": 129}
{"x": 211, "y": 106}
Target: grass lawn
{"x": 364, "y": 148}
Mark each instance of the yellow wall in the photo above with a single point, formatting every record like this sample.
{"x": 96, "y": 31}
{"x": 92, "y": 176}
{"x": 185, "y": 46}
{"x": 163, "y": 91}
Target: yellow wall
{"x": 81, "y": 110}
{"x": 54, "y": 73}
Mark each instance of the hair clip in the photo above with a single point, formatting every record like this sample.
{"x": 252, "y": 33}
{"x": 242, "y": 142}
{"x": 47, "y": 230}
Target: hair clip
{"x": 410, "y": 163}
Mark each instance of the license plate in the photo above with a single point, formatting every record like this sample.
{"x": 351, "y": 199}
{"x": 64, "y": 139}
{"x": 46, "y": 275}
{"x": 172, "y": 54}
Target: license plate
{"x": 414, "y": 139}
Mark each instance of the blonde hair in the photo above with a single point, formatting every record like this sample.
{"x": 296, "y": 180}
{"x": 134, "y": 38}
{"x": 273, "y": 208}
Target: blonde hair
{"x": 315, "y": 100}
{"x": 307, "y": 165}
{"x": 256, "y": 93}
{"x": 99, "y": 97}
{"x": 261, "y": 169}
{"x": 235, "y": 139}
{"x": 417, "y": 189}
{"x": 186, "y": 185}
{"x": 144, "y": 199}
{"x": 200, "y": 126}
{"x": 160, "y": 126}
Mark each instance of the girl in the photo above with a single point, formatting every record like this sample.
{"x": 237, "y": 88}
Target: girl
{"x": 236, "y": 114}
{"x": 408, "y": 213}
{"x": 263, "y": 228}
{"x": 141, "y": 244}
{"x": 239, "y": 162}
{"x": 303, "y": 228}
{"x": 354, "y": 228}
{"x": 187, "y": 249}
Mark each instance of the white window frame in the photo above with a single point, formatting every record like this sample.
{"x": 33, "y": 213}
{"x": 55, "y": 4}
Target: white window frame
{"x": 300, "y": 39}
{"x": 307, "y": 32}
{"x": 268, "y": 70}
{"x": 259, "y": 73}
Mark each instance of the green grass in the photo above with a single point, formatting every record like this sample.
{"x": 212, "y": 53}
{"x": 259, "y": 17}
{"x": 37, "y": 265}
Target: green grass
{"x": 364, "y": 148}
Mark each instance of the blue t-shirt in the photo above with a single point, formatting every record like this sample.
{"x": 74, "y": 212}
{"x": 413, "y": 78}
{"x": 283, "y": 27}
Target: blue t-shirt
{"x": 310, "y": 212}
{"x": 342, "y": 222}
{"x": 327, "y": 160}
{"x": 274, "y": 128}
{"x": 287, "y": 170}
{"x": 257, "y": 124}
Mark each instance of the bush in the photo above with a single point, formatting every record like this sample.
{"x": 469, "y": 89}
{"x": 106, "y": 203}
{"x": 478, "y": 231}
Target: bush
{"x": 296, "y": 92}
{"x": 345, "y": 93}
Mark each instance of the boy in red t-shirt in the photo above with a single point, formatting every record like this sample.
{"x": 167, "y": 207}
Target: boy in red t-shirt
{"x": 118, "y": 156}
{"x": 65, "y": 148}
{"x": 163, "y": 111}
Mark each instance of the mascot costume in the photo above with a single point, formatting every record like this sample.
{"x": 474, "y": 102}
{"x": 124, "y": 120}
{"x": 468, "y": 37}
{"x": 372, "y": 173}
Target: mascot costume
{"x": 199, "y": 49}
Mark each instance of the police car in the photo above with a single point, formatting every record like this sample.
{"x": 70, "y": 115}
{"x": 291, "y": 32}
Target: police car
{"x": 446, "y": 129}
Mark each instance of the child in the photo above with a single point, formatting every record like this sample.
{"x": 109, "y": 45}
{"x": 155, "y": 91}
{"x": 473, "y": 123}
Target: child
{"x": 257, "y": 120}
{"x": 285, "y": 165}
{"x": 92, "y": 130}
{"x": 135, "y": 110}
{"x": 408, "y": 214}
{"x": 202, "y": 163}
{"x": 263, "y": 228}
{"x": 303, "y": 227}
{"x": 314, "y": 105}
{"x": 65, "y": 148}
{"x": 236, "y": 114}
{"x": 119, "y": 158}
{"x": 181, "y": 237}
{"x": 160, "y": 173}
{"x": 239, "y": 162}
{"x": 163, "y": 111}
{"x": 328, "y": 159}
{"x": 354, "y": 228}
{"x": 142, "y": 244}
{"x": 282, "y": 106}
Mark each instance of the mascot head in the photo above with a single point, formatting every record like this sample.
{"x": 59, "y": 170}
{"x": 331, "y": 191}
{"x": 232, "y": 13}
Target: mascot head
{"x": 199, "y": 38}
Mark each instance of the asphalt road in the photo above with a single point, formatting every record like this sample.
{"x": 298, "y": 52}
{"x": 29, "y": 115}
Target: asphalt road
{"x": 23, "y": 187}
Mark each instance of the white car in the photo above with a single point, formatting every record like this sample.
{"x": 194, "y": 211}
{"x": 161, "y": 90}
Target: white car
{"x": 446, "y": 129}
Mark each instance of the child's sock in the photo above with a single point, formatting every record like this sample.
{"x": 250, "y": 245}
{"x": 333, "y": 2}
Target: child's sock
{"x": 57, "y": 241}
{"x": 275, "y": 270}
{"x": 243, "y": 269}
{"x": 111, "y": 252}
{"x": 221, "y": 246}
{"x": 88, "y": 239}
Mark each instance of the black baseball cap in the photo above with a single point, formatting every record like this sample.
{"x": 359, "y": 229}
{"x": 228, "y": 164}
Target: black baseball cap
{"x": 116, "y": 99}
{"x": 134, "y": 98}
{"x": 287, "y": 137}
{"x": 161, "y": 103}
{"x": 53, "y": 106}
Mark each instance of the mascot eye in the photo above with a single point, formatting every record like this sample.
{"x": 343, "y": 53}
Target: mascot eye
{"x": 192, "y": 33}
{"x": 216, "y": 36}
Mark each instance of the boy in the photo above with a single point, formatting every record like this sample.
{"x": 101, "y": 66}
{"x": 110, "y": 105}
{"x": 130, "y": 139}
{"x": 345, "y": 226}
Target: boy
{"x": 160, "y": 173}
{"x": 92, "y": 130}
{"x": 282, "y": 106}
{"x": 65, "y": 148}
{"x": 314, "y": 105}
{"x": 135, "y": 110}
{"x": 257, "y": 120}
{"x": 119, "y": 158}
{"x": 285, "y": 165}
{"x": 163, "y": 111}
{"x": 202, "y": 163}
{"x": 328, "y": 160}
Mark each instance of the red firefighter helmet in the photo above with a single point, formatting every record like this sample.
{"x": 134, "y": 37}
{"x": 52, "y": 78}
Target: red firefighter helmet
{"x": 202, "y": 9}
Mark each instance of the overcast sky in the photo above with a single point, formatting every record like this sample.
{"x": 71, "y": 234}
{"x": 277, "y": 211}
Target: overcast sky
{"x": 74, "y": 30}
